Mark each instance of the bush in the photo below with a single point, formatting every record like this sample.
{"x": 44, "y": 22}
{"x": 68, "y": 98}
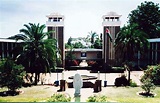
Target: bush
{"x": 153, "y": 72}
{"x": 59, "y": 98}
{"x": 121, "y": 81}
{"x": 133, "y": 84}
{"x": 11, "y": 75}
{"x": 91, "y": 63}
{"x": 96, "y": 98}
{"x": 147, "y": 85}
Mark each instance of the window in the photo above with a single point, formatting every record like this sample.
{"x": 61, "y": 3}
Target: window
{"x": 83, "y": 54}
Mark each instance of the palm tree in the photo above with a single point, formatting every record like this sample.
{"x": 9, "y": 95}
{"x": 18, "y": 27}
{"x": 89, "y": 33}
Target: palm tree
{"x": 93, "y": 35}
{"x": 38, "y": 54}
{"x": 128, "y": 42}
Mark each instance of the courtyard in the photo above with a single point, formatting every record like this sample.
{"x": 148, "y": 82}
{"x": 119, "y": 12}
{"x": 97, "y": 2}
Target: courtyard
{"x": 41, "y": 93}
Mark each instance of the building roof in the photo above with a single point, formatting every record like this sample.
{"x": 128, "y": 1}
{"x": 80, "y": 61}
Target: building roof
{"x": 111, "y": 14}
{"x": 85, "y": 50}
{"x": 8, "y": 40}
{"x": 55, "y": 15}
{"x": 154, "y": 40}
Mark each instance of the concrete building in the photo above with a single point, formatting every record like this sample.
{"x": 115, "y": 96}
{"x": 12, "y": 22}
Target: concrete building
{"x": 87, "y": 54}
{"x": 107, "y": 53}
{"x": 154, "y": 51}
{"x": 111, "y": 21}
{"x": 56, "y": 23}
{"x": 7, "y": 47}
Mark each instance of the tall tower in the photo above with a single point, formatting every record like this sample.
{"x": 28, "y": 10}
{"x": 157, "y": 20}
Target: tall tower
{"x": 112, "y": 23}
{"x": 56, "y": 23}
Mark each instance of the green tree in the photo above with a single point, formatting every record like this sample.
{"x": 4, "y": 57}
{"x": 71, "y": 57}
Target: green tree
{"x": 98, "y": 43}
{"x": 147, "y": 16}
{"x": 70, "y": 54}
{"x": 39, "y": 54}
{"x": 128, "y": 42}
{"x": 11, "y": 74}
{"x": 69, "y": 41}
{"x": 93, "y": 35}
{"x": 69, "y": 44}
{"x": 78, "y": 45}
{"x": 153, "y": 73}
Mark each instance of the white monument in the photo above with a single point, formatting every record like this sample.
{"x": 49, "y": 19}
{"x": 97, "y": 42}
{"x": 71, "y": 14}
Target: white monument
{"x": 77, "y": 84}
{"x": 83, "y": 63}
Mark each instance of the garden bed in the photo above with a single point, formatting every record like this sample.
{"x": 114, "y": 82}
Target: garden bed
{"x": 10, "y": 93}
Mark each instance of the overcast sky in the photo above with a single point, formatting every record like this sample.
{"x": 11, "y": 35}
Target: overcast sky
{"x": 81, "y": 16}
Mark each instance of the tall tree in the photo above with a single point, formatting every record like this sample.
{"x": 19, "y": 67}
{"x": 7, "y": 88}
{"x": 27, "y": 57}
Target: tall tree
{"x": 11, "y": 75}
{"x": 147, "y": 16}
{"x": 69, "y": 41}
{"x": 128, "y": 42}
{"x": 38, "y": 54}
{"x": 98, "y": 42}
{"x": 93, "y": 35}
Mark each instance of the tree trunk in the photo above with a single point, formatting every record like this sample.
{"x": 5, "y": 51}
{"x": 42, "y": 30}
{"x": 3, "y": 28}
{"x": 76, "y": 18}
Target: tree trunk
{"x": 37, "y": 78}
{"x": 129, "y": 77}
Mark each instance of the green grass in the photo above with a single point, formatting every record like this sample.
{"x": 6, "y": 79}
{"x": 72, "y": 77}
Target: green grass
{"x": 120, "y": 94}
{"x": 31, "y": 94}
{"x": 128, "y": 95}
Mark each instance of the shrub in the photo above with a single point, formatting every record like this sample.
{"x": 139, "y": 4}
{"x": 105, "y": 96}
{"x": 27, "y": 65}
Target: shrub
{"x": 147, "y": 85}
{"x": 91, "y": 63}
{"x": 75, "y": 63}
{"x": 96, "y": 98}
{"x": 11, "y": 75}
{"x": 59, "y": 98}
{"x": 153, "y": 72}
{"x": 121, "y": 81}
{"x": 133, "y": 84}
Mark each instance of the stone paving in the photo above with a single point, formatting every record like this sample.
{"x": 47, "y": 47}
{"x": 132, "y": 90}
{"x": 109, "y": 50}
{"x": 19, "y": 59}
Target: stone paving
{"x": 110, "y": 77}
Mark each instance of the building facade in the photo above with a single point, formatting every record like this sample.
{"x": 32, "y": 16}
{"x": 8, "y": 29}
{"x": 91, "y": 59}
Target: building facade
{"x": 111, "y": 21}
{"x": 55, "y": 23}
{"x": 154, "y": 51}
{"x": 7, "y": 47}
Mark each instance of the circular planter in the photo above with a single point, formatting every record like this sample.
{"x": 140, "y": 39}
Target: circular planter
{"x": 11, "y": 93}
{"x": 143, "y": 93}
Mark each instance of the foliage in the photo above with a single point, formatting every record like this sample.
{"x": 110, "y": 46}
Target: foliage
{"x": 147, "y": 85}
{"x": 69, "y": 41}
{"x": 78, "y": 45}
{"x": 91, "y": 63}
{"x": 93, "y": 40}
{"x": 69, "y": 54}
{"x": 147, "y": 16}
{"x": 38, "y": 53}
{"x": 11, "y": 74}
{"x": 69, "y": 44}
{"x": 59, "y": 98}
{"x": 121, "y": 81}
{"x": 98, "y": 43}
{"x": 97, "y": 98}
{"x": 133, "y": 84}
{"x": 130, "y": 40}
{"x": 93, "y": 35}
{"x": 153, "y": 72}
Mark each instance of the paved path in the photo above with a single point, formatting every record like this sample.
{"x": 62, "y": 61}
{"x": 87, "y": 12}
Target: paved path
{"x": 110, "y": 77}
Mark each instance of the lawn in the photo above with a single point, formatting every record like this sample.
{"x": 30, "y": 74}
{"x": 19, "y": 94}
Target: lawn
{"x": 120, "y": 94}
{"x": 128, "y": 95}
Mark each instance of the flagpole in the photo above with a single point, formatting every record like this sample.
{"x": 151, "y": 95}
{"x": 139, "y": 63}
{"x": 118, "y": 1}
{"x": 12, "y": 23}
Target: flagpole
{"x": 105, "y": 54}
{"x": 107, "y": 34}
{"x": 105, "y": 57}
